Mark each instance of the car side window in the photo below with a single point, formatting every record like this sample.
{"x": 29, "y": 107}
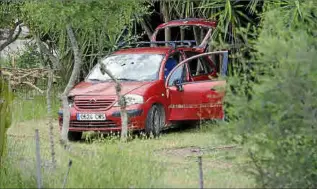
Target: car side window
{"x": 200, "y": 66}
{"x": 207, "y": 64}
{"x": 178, "y": 74}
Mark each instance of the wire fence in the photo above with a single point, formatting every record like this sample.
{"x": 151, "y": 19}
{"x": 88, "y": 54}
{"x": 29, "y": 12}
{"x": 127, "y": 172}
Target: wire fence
{"x": 197, "y": 155}
{"x": 194, "y": 153}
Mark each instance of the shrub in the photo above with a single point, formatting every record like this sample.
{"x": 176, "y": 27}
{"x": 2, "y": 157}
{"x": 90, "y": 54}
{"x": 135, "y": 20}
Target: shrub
{"x": 30, "y": 58}
{"x": 279, "y": 123}
{"x": 5, "y": 113}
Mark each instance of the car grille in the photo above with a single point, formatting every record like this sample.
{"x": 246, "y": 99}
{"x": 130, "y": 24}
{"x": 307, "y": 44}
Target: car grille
{"x": 93, "y": 104}
{"x": 92, "y": 124}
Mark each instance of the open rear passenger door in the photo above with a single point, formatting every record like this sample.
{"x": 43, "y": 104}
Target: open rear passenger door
{"x": 196, "y": 100}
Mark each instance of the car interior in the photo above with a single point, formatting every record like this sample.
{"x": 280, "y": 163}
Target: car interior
{"x": 201, "y": 68}
{"x": 171, "y": 62}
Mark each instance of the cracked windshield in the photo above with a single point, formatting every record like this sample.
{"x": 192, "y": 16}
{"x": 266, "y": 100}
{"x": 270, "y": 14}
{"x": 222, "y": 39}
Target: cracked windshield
{"x": 129, "y": 67}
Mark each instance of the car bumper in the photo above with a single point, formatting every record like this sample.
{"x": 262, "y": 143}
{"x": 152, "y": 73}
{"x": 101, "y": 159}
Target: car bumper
{"x": 136, "y": 119}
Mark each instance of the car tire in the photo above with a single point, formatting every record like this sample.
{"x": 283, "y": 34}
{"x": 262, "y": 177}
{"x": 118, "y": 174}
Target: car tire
{"x": 74, "y": 136}
{"x": 155, "y": 121}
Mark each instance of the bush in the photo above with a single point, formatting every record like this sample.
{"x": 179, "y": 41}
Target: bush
{"x": 279, "y": 123}
{"x": 30, "y": 58}
{"x": 5, "y": 113}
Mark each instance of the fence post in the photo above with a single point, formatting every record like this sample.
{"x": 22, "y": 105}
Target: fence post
{"x": 38, "y": 159}
{"x": 201, "y": 176}
{"x": 66, "y": 176}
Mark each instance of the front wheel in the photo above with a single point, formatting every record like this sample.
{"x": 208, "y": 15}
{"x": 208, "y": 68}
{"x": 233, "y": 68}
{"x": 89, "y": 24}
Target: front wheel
{"x": 155, "y": 120}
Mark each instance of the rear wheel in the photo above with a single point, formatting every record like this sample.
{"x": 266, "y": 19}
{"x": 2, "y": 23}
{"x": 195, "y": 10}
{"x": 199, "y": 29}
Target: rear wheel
{"x": 74, "y": 136}
{"x": 155, "y": 121}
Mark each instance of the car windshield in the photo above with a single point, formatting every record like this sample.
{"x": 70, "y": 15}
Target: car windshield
{"x": 129, "y": 67}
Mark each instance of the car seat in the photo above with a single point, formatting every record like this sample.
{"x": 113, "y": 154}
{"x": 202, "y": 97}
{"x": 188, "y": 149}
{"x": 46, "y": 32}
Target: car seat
{"x": 170, "y": 64}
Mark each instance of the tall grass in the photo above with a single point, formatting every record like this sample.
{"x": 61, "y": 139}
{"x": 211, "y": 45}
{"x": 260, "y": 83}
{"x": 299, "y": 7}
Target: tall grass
{"x": 32, "y": 107}
{"x": 108, "y": 163}
{"x": 97, "y": 167}
{"x": 94, "y": 166}
{"x": 11, "y": 177}
{"x": 112, "y": 167}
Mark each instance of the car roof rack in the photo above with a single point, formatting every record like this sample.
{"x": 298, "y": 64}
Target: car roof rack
{"x": 172, "y": 44}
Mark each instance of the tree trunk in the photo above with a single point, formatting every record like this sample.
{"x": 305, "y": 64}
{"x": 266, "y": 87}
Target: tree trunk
{"x": 71, "y": 82}
{"x": 47, "y": 52}
{"x": 122, "y": 103}
{"x": 166, "y": 18}
{"x": 66, "y": 118}
{"x": 182, "y": 34}
{"x": 147, "y": 29}
{"x": 11, "y": 38}
{"x": 49, "y": 112}
{"x": 202, "y": 36}
{"x": 123, "y": 113}
{"x": 196, "y": 34}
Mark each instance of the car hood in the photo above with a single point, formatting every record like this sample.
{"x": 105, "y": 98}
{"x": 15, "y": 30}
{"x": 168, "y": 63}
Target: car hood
{"x": 104, "y": 88}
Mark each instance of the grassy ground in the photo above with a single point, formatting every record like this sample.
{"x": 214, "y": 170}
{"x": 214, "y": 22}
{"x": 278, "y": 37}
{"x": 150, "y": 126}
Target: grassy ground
{"x": 32, "y": 107}
{"x": 170, "y": 161}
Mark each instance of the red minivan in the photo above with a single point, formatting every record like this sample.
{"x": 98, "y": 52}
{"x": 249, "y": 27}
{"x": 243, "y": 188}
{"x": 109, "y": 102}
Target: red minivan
{"x": 161, "y": 85}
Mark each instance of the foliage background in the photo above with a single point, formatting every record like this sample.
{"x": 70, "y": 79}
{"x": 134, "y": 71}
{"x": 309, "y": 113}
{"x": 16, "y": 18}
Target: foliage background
{"x": 278, "y": 124}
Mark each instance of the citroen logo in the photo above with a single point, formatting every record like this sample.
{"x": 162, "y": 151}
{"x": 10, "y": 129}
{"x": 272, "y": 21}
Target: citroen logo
{"x": 91, "y": 101}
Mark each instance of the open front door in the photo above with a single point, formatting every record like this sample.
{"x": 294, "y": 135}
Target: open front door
{"x": 195, "y": 100}
{"x": 191, "y": 30}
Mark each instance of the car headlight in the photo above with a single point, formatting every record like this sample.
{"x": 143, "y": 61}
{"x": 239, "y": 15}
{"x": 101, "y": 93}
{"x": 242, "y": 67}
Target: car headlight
{"x": 132, "y": 99}
{"x": 71, "y": 101}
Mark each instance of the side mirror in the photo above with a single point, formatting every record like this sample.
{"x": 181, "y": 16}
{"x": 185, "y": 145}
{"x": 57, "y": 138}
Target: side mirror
{"x": 178, "y": 84}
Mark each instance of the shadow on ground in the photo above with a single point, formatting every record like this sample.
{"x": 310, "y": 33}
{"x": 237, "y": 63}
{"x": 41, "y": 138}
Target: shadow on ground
{"x": 176, "y": 128}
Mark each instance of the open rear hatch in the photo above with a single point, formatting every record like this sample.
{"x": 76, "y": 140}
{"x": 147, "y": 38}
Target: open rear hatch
{"x": 193, "y": 31}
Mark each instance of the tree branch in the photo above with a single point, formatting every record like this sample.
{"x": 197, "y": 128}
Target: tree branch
{"x": 77, "y": 59}
{"x": 11, "y": 38}
{"x": 33, "y": 86}
{"x": 47, "y": 52}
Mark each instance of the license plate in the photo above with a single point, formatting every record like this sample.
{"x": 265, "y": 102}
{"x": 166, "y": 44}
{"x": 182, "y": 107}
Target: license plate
{"x": 91, "y": 117}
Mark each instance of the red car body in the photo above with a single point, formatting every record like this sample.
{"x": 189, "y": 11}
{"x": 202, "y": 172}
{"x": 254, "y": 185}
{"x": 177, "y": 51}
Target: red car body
{"x": 196, "y": 97}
